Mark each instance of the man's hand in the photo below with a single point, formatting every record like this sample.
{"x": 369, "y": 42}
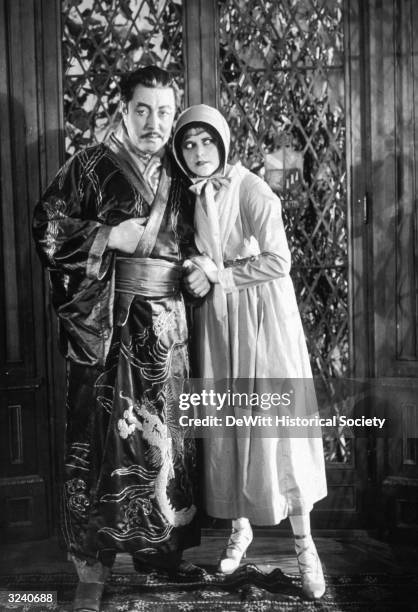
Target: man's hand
{"x": 125, "y": 236}
{"x": 195, "y": 280}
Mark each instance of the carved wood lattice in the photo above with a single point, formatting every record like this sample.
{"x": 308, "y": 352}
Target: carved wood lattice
{"x": 282, "y": 87}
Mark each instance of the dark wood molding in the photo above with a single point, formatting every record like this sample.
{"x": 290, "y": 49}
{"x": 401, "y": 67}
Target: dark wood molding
{"x": 51, "y": 157}
{"x": 201, "y": 51}
{"x": 358, "y": 195}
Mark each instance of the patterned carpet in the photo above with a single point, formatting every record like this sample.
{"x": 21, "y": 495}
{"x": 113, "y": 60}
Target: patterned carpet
{"x": 248, "y": 590}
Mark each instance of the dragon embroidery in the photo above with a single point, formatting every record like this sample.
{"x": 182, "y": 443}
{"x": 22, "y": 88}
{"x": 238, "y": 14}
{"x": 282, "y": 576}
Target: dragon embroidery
{"x": 138, "y": 418}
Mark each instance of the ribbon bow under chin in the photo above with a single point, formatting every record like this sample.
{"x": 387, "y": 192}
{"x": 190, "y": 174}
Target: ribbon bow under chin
{"x": 217, "y": 183}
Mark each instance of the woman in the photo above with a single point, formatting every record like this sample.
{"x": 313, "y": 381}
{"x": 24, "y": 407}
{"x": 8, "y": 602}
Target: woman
{"x": 249, "y": 328}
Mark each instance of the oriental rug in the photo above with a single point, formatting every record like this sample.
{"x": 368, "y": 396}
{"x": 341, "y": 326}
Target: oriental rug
{"x": 247, "y": 590}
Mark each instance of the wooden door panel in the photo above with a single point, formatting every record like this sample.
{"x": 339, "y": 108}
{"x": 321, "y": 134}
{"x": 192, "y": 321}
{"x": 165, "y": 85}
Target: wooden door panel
{"x": 25, "y": 424}
{"x": 23, "y": 475}
{"x": 347, "y": 503}
{"x": 394, "y": 110}
{"x": 394, "y": 250}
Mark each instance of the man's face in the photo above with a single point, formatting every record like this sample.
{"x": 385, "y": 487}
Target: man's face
{"x": 149, "y": 117}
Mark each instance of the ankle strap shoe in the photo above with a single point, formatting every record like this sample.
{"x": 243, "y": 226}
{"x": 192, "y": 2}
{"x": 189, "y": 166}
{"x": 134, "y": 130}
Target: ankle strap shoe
{"x": 313, "y": 582}
{"x": 236, "y": 549}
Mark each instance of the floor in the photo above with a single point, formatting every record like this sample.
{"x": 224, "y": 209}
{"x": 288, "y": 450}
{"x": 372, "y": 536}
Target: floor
{"x": 343, "y": 553}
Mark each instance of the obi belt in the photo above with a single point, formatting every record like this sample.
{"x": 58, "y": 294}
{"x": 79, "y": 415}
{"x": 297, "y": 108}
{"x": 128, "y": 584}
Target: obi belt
{"x": 145, "y": 277}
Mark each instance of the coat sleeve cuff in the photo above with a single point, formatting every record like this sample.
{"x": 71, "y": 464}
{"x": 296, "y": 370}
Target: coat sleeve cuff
{"x": 98, "y": 260}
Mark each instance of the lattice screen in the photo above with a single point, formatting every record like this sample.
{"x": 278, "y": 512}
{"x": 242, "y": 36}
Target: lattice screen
{"x": 282, "y": 81}
{"x": 282, "y": 88}
{"x": 102, "y": 38}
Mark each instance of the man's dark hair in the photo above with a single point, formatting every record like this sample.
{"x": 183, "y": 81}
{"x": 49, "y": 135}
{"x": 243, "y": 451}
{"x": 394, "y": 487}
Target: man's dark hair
{"x": 150, "y": 76}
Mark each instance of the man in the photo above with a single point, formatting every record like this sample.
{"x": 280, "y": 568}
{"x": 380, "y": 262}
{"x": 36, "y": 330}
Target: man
{"x": 114, "y": 228}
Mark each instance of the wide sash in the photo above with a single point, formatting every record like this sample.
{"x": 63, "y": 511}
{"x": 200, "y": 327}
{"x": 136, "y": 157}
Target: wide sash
{"x": 147, "y": 277}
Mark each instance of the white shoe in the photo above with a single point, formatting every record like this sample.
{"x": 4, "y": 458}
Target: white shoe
{"x": 239, "y": 540}
{"x": 313, "y": 582}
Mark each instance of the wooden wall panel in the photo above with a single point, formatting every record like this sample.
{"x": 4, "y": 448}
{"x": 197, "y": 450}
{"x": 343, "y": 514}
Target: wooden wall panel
{"x": 393, "y": 108}
{"x": 28, "y": 133}
{"x": 392, "y": 285}
{"x": 406, "y": 119}
{"x": 10, "y": 333}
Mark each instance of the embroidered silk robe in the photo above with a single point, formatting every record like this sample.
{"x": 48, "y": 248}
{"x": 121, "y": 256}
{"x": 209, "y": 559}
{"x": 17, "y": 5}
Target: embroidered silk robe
{"x": 129, "y": 471}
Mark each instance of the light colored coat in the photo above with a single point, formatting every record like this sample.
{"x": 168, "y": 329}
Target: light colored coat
{"x": 254, "y": 333}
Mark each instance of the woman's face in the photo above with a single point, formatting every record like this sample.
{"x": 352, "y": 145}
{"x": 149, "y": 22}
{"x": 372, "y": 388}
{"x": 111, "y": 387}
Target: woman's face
{"x": 200, "y": 152}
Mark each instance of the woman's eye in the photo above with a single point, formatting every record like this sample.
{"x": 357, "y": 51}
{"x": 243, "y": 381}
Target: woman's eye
{"x": 188, "y": 146}
{"x": 208, "y": 141}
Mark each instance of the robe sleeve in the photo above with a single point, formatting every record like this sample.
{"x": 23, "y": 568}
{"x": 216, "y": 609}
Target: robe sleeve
{"x": 72, "y": 244}
{"x": 68, "y": 237}
{"x": 262, "y": 218}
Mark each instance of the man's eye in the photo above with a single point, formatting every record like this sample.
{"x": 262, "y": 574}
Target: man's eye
{"x": 140, "y": 112}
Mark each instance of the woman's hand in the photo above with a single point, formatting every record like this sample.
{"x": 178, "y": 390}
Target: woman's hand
{"x": 207, "y": 265}
{"x": 125, "y": 236}
{"x": 195, "y": 280}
